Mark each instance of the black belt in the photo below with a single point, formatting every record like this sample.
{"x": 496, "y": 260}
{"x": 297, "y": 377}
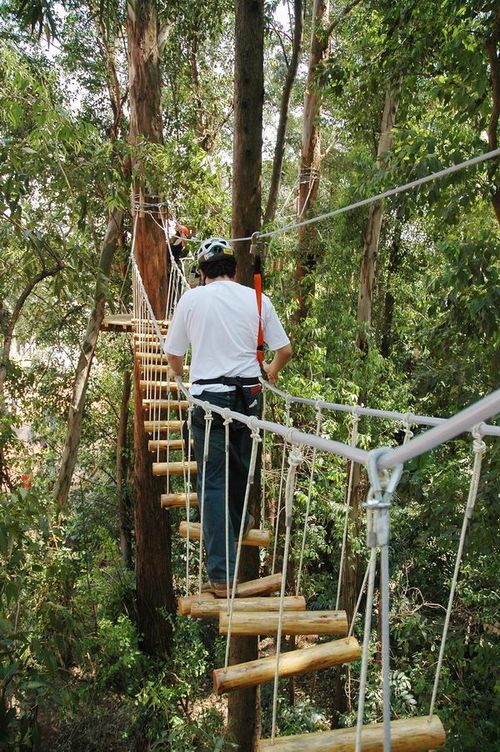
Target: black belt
{"x": 237, "y": 381}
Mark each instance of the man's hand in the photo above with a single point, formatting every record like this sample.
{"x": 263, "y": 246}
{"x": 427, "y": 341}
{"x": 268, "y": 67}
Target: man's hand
{"x": 272, "y": 375}
{"x": 281, "y": 358}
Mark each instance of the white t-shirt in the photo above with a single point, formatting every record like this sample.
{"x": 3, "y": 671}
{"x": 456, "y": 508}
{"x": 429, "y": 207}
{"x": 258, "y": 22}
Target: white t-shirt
{"x": 220, "y": 321}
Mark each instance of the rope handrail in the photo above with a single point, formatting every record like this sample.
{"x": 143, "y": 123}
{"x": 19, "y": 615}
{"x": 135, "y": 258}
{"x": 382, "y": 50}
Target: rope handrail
{"x": 422, "y": 420}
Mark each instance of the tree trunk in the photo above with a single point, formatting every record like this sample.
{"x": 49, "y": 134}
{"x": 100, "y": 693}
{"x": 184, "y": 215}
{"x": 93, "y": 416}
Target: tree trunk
{"x": 247, "y": 145}
{"x": 493, "y": 53}
{"x": 279, "y": 149}
{"x": 243, "y": 716}
{"x": 373, "y": 227}
{"x": 395, "y": 258}
{"x": 153, "y": 541}
{"x": 122, "y": 473}
{"x": 73, "y": 434}
{"x": 310, "y": 163}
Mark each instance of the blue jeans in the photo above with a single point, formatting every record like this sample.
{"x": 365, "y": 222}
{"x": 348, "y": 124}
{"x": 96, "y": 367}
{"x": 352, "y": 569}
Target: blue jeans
{"x": 240, "y": 446}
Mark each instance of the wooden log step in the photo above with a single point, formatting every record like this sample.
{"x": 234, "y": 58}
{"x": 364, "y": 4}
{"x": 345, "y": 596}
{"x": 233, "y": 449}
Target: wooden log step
{"x": 175, "y": 500}
{"x": 164, "y": 404}
{"x": 165, "y": 444}
{"x": 150, "y": 426}
{"x": 147, "y": 322}
{"x": 174, "y": 468}
{"x": 213, "y": 609}
{"x": 294, "y": 662}
{"x": 254, "y": 537}
{"x": 186, "y": 602}
{"x": 151, "y": 358}
{"x": 147, "y": 337}
{"x": 302, "y": 623}
{"x": 171, "y": 386}
{"x": 165, "y": 369}
{"x": 408, "y": 735}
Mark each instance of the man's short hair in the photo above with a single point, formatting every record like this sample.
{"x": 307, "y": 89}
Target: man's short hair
{"x": 224, "y": 266}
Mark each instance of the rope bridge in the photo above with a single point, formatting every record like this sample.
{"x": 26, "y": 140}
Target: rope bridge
{"x": 261, "y": 606}
{"x": 250, "y": 608}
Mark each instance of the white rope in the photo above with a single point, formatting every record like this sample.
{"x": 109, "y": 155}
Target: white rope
{"x": 353, "y": 442}
{"x": 319, "y": 418}
{"x": 366, "y": 648}
{"x": 295, "y": 457}
{"x": 256, "y": 439}
{"x": 371, "y": 200}
{"x": 201, "y": 502}
{"x": 187, "y": 491}
{"x": 282, "y": 476}
{"x": 479, "y": 449}
{"x": 227, "y": 424}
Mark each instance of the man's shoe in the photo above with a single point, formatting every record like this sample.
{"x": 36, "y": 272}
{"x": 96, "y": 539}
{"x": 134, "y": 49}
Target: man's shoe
{"x": 219, "y": 589}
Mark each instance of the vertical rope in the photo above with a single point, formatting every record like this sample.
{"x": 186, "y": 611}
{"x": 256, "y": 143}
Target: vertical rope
{"x": 319, "y": 419}
{"x": 201, "y": 502}
{"x": 256, "y": 439}
{"x": 227, "y": 424}
{"x": 353, "y": 442}
{"x": 479, "y": 449}
{"x": 366, "y": 648}
{"x": 282, "y": 475}
{"x": 295, "y": 457}
{"x": 187, "y": 490}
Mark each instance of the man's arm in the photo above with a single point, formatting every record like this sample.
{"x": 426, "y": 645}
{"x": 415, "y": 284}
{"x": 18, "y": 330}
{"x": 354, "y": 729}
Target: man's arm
{"x": 281, "y": 358}
{"x": 176, "y": 363}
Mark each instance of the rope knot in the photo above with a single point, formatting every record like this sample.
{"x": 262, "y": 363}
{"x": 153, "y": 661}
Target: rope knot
{"x": 295, "y": 457}
{"x": 227, "y": 417}
{"x": 289, "y": 435}
{"x": 478, "y": 445}
{"x": 208, "y": 413}
{"x": 253, "y": 425}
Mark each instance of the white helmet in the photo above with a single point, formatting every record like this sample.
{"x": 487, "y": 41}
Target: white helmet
{"x": 214, "y": 248}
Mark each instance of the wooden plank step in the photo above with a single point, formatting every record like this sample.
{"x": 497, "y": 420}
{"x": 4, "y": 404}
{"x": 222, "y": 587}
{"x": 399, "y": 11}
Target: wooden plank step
{"x": 407, "y": 735}
{"x": 174, "y": 468}
{"x": 150, "y": 426}
{"x": 164, "y": 404}
{"x": 151, "y": 357}
{"x": 147, "y": 336}
{"x": 164, "y": 369}
{"x": 165, "y": 444}
{"x": 146, "y": 322}
{"x": 254, "y": 537}
{"x": 176, "y": 500}
{"x": 292, "y": 663}
{"x": 302, "y": 623}
{"x": 164, "y": 386}
{"x": 213, "y": 608}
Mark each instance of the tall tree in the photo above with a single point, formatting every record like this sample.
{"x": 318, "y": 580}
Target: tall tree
{"x": 153, "y": 540}
{"x": 279, "y": 149}
{"x": 246, "y": 219}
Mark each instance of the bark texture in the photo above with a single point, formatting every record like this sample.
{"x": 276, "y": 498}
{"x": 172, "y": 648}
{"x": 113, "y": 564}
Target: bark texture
{"x": 87, "y": 350}
{"x": 152, "y": 531}
{"x": 243, "y": 716}
{"x": 247, "y": 144}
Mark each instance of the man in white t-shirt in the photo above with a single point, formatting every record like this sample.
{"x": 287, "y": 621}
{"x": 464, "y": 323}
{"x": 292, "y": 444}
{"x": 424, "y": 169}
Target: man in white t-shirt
{"x": 220, "y": 321}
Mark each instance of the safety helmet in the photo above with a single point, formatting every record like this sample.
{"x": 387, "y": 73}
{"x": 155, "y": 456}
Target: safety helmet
{"x": 214, "y": 248}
